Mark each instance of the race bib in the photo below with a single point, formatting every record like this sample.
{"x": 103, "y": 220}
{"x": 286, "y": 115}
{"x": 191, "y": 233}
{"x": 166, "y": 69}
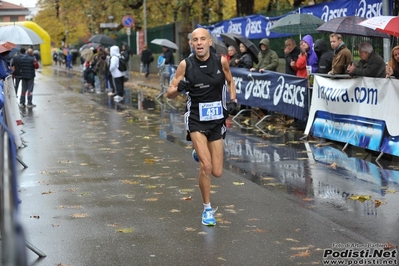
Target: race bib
{"x": 211, "y": 111}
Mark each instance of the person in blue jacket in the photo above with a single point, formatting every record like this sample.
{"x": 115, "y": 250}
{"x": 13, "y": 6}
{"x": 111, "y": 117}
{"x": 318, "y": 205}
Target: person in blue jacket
{"x": 5, "y": 69}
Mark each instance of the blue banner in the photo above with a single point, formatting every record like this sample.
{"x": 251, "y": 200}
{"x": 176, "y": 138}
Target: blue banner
{"x": 257, "y": 26}
{"x": 277, "y": 92}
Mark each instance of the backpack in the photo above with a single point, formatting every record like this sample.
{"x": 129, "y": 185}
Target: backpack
{"x": 122, "y": 64}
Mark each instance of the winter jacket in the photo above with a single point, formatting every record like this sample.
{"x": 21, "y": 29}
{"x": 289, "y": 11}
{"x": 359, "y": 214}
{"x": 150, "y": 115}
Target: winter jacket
{"x": 245, "y": 61}
{"x": 374, "y": 66}
{"x": 27, "y": 68}
{"x": 325, "y": 56}
{"x": 146, "y": 56}
{"x": 300, "y": 66}
{"x": 312, "y": 59}
{"x": 4, "y": 68}
{"x": 268, "y": 59}
{"x": 114, "y": 62}
{"x": 169, "y": 59}
{"x": 232, "y": 62}
{"x": 342, "y": 58}
{"x": 16, "y": 63}
{"x": 294, "y": 56}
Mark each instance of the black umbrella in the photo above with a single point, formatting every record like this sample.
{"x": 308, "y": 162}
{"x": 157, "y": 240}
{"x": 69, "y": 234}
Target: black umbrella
{"x": 228, "y": 39}
{"x": 103, "y": 39}
{"x": 349, "y": 26}
{"x": 218, "y": 45}
{"x": 251, "y": 47}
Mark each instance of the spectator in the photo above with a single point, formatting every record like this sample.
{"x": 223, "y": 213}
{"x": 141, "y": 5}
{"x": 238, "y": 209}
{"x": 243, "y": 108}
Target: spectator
{"x": 291, "y": 53}
{"x": 267, "y": 58}
{"x": 232, "y": 52}
{"x": 117, "y": 75}
{"x": 108, "y": 76}
{"x": 16, "y": 68}
{"x": 300, "y": 64}
{"x": 146, "y": 59}
{"x": 5, "y": 69}
{"x": 311, "y": 57}
{"x": 392, "y": 68}
{"x": 100, "y": 68}
{"x": 27, "y": 76}
{"x": 125, "y": 54}
{"x": 342, "y": 56}
{"x": 325, "y": 56}
{"x": 245, "y": 60}
{"x": 370, "y": 64}
{"x": 168, "y": 55}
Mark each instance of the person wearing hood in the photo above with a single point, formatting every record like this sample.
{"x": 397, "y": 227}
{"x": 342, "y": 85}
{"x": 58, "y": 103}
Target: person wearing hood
{"x": 267, "y": 58}
{"x": 342, "y": 56}
{"x": 311, "y": 58}
{"x": 117, "y": 75}
{"x": 325, "y": 56}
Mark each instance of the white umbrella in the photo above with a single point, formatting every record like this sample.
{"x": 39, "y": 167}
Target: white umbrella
{"x": 19, "y": 35}
{"x": 166, "y": 43}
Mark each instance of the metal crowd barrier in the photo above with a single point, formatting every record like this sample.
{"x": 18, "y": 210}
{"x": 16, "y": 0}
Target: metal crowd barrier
{"x": 13, "y": 243}
{"x": 166, "y": 74}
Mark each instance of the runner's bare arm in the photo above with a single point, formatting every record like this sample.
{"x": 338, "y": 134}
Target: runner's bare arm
{"x": 229, "y": 78}
{"x": 180, "y": 72}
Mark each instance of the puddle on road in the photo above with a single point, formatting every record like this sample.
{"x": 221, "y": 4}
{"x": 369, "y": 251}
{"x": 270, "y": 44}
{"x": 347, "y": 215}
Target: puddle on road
{"x": 274, "y": 157}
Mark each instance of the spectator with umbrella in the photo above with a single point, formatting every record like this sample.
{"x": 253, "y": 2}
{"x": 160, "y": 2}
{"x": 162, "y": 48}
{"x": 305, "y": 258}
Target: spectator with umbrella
{"x": 370, "y": 64}
{"x": 168, "y": 55}
{"x": 392, "y": 68}
{"x": 245, "y": 60}
{"x": 325, "y": 56}
{"x": 233, "y": 55}
{"x": 342, "y": 56}
{"x": 291, "y": 53}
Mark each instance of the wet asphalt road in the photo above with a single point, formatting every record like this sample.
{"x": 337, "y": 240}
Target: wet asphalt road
{"x": 111, "y": 184}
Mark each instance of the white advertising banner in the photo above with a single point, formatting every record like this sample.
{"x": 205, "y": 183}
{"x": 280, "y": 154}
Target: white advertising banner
{"x": 360, "y": 111}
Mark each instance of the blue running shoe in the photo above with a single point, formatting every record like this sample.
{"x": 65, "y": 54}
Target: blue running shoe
{"x": 208, "y": 217}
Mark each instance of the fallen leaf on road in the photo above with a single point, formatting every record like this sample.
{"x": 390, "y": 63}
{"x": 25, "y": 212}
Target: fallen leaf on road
{"x": 238, "y": 183}
{"x": 149, "y": 160}
{"x": 303, "y": 254}
{"x": 189, "y": 229}
{"x": 292, "y": 240}
{"x": 124, "y": 230}
{"x": 174, "y": 210}
{"x": 360, "y": 198}
{"x": 130, "y": 182}
{"x": 257, "y": 230}
{"x": 47, "y": 192}
{"x": 302, "y": 248}
{"x": 186, "y": 198}
{"x": 151, "y": 199}
{"x": 308, "y": 199}
{"x": 221, "y": 258}
{"x": 377, "y": 203}
{"x": 79, "y": 215}
{"x": 391, "y": 191}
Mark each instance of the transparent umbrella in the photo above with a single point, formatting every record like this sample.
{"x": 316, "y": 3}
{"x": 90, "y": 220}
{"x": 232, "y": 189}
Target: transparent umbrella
{"x": 19, "y": 35}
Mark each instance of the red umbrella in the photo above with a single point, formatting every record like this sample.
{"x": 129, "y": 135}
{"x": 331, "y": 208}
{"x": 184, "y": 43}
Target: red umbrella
{"x": 6, "y": 46}
{"x": 386, "y": 24}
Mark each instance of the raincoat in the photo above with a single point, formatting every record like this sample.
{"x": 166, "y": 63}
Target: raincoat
{"x": 312, "y": 59}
